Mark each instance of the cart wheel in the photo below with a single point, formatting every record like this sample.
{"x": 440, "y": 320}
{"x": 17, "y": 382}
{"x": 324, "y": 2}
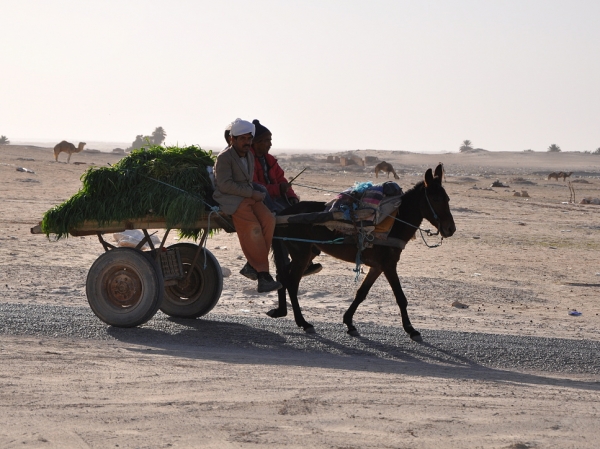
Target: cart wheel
{"x": 198, "y": 295}
{"x": 124, "y": 287}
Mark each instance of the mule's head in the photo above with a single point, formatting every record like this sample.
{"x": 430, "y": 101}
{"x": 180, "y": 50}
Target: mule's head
{"x": 436, "y": 207}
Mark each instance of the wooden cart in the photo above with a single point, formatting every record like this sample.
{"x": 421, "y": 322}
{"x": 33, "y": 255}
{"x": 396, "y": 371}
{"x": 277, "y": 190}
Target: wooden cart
{"x": 125, "y": 287}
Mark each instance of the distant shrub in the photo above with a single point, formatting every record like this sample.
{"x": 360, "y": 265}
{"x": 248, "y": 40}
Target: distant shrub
{"x": 141, "y": 141}
{"x": 554, "y": 148}
{"x": 521, "y": 180}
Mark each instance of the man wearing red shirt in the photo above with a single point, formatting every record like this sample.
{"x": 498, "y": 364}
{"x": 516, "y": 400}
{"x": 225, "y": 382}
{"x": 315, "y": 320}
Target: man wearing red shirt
{"x": 267, "y": 171}
{"x": 280, "y": 195}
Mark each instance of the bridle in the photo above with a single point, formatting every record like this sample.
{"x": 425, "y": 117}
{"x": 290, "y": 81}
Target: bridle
{"x": 435, "y": 216}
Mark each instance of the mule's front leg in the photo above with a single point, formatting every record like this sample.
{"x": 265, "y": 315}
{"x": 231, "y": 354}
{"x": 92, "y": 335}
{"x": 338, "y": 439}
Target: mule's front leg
{"x": 361, "y": 294}
{"x": 394, "y": 281}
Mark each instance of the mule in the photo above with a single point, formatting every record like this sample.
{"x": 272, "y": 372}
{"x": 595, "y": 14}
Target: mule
{"x": 426, "y": 200}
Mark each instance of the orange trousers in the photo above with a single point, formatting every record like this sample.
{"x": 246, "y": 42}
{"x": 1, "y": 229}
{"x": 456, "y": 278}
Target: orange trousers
{"x": 255, "y": 224}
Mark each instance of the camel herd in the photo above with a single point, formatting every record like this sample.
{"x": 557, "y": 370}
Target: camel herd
{"x": 383, "y": 166}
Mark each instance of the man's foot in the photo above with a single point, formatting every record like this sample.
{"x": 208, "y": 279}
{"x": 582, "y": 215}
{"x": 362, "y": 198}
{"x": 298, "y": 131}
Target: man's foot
{"x": 248, "y": 271}
{"x": 266, "y": 283}
{"x": 313, "y": 268}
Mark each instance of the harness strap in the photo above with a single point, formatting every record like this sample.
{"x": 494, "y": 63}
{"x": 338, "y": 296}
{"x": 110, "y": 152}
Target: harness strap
{"x": 338, "y": 241}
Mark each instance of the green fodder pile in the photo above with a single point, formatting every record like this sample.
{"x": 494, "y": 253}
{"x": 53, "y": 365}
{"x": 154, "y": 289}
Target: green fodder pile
{"x": 136, "y": 187}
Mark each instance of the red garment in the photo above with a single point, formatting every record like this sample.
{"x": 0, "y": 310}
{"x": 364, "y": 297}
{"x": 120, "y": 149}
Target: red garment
{"x": 276, "y": 176}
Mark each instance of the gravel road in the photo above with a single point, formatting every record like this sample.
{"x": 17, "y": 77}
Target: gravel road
{"x": 215, "y": 333}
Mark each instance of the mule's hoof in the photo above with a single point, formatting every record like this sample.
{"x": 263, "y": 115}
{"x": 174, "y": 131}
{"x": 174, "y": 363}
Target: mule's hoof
{"x": 416, "y": 336}
{"x": 310, "y": 330}
{"x": 276, "y": 313}
{"x": 353, "y": 333}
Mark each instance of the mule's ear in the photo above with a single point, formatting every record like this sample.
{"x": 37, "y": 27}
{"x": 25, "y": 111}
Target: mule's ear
{"x": 428, "y": 177}
{"x": 439, "y": 171}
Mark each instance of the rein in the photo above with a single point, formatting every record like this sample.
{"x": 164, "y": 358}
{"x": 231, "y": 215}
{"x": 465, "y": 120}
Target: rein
{"x": 421, "y": 230}
{"x": 426, "y": 231}
{"x": 338, "y": 241}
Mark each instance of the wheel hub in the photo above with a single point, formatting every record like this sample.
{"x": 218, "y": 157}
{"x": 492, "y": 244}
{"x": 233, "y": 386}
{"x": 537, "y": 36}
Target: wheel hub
{"x": 188, "y": 288}
{"x": 124, "y": 288}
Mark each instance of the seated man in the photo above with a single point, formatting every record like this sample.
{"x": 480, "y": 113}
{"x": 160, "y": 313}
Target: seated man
{"x": 253, "y": 221}
{"x": 268, "y": 173}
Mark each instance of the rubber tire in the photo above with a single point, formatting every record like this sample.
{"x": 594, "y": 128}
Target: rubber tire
{"x": 132, "y": 268}
{"x": 161, "y": 282}
{"x": 204, "y": 291}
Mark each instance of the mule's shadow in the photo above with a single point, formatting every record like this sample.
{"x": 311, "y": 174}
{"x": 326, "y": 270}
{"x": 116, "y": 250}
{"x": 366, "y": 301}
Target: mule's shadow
{"x": 282, "y": 343}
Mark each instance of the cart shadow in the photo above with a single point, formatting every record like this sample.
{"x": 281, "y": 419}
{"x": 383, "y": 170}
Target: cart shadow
{"x": 198, "y": 333}
{"x": 283, "y": 344}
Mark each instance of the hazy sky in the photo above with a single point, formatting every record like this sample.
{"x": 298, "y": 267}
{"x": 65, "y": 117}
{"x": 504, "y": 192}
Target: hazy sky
{"x": 327, "y": 75}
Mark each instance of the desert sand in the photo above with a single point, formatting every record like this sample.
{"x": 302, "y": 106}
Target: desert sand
{"x": 518, "y": 263}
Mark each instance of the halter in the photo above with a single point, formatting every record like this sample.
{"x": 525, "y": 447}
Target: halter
{"x": 426, "y": 231}
{"x": 435, "y": 217}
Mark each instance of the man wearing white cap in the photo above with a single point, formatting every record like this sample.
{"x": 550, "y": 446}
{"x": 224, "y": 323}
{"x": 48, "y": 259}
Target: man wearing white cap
{"x": 253, "y": 221}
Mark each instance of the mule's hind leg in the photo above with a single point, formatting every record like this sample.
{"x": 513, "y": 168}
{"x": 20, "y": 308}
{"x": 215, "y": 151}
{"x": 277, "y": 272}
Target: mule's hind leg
{"x": 361, "y": 294}
{"x": 394, "y": 281}
{"x": 281, "y": 309}
{"x": 282, "y": 276}
{"x": 301, "y": 256}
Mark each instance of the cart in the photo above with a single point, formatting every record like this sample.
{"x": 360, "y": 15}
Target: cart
{"x": 125, "y": 287}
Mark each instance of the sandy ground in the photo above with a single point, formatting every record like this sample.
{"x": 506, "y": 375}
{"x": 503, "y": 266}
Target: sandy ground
{"x": 519, "y": 264}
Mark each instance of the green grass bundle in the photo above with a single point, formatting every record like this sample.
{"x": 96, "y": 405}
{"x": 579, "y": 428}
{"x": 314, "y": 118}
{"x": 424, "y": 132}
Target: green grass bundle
{"x": 136, "y": 187}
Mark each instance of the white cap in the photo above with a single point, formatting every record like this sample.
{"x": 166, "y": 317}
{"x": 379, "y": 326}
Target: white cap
{"x": 239, "y": 127}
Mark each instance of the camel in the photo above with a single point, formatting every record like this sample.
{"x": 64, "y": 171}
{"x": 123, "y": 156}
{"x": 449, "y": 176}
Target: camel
{"x": 554, "y": 175}
{"x": 564, "y": 175}
{"x": 385, "y": 167}
{"x": 67, "y": 147}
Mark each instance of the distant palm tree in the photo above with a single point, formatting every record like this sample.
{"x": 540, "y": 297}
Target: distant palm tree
{"x": 466, "y": 146}
{"x": 597, "y": 151}
{"x": 139, "y": 142}
{"x": 158, "y": 136}
{"x": 4, "y": 140}
{"x": 554, "y": 148}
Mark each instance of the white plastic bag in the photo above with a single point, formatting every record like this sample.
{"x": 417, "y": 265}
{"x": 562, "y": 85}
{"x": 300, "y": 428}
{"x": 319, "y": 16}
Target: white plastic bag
{"x": 132, "y": 237}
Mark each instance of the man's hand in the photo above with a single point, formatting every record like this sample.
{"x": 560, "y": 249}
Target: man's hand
{"x": 258, "y": 196}
{"x": 283, "y": 188}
